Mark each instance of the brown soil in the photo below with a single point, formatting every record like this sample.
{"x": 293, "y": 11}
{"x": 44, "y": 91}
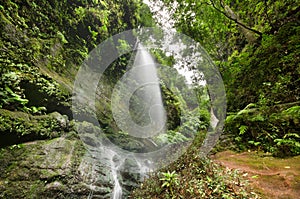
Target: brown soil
{"x": 268, "y": 176}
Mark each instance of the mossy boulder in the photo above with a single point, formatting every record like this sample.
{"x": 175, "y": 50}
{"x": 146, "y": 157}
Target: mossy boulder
{"x": 42, "y": 169}
{"x": 68, "y": 166}
{"x": 19, "y": 127}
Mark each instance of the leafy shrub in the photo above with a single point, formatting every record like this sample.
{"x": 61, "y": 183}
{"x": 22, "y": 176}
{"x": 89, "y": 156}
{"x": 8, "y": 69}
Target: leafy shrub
{"x": 194, "y": 177}
{"x": 19, "y": 127}
{"x": 169, "y": 181}
{"x": 271, "y": 129}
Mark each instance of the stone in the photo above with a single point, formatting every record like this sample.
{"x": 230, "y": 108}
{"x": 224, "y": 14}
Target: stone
{"x": 62, "y": 119}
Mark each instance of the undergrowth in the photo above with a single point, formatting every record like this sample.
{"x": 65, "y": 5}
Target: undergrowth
{"x": 269, "y": 129}
{"x": 194, "y": 177}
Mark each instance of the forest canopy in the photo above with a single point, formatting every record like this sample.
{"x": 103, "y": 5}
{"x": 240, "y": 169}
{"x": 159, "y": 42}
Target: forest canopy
{"x": 255, "y": 44}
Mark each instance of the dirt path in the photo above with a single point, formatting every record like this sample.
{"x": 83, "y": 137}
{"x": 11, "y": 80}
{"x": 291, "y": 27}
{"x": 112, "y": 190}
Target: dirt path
{"x": 270, "y": 177}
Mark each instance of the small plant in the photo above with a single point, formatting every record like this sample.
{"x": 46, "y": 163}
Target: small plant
{"x": 268, "y": 128}
{"x": 16, "y": 146}
{"x": 199, "y": 178}
{"x": 37, "y": 110}
{"x": 169, "y": 180}
{"x": 288, "y": 145}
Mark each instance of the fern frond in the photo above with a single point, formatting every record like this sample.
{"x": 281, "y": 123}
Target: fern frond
{"x": 243, "y": 129}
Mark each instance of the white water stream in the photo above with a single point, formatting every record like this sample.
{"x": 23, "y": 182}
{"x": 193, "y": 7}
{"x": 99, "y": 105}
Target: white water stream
{"x": 143, "y": 73}
{"x": 141, "y": 78}
{"x": 141, "y": 81}
{"x": 117, "y": 191}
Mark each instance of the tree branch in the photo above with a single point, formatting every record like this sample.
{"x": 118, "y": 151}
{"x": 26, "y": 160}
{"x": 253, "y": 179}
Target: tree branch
{"x": 234, "y": 19}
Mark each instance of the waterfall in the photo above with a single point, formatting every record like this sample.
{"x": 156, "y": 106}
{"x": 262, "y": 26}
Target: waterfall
{"x": 140, "y": 83}
{"x": 117, "y": 191}
{"x": 148, "y": 93}
{"x": 137, "y": 101}
{"x": 138, "y": 113}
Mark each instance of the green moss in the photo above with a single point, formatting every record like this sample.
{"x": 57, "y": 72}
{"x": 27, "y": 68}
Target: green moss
{"x": 53, "y": 38}
{"x": 36, "y": 187}
{"x": 197, "y": 178}
{"x": 44, "y": 43}
{"x": 41, "y": 169}
{"x": 18, "y": 127}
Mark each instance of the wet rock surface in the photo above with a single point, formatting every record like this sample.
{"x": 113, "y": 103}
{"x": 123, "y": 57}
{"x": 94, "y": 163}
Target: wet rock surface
{"x": 102, "y": 167}
{"x": 69, "y": 166}
{"x": 43, "y": 169}
{"x": 18, "y": 127}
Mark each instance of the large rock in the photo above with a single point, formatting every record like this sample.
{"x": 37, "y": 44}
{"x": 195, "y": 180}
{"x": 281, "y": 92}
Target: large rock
{"x": 69, "y": 166}
{"x": 43, "y": 169}
{"x": 18, "y": 127}
{"x": 102, "y": 167}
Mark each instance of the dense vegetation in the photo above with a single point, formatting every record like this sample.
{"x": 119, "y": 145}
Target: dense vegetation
{"x": 255, "y": 44}
{"x": 256, "y": 47}
{"x": 192, "y": 176}
{"x": 43, "y": 43}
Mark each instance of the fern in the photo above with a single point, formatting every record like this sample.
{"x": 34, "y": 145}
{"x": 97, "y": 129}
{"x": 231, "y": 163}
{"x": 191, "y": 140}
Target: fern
{"x": 245, "y": 111}
{"x": 295, "y": 135}
{"x": 251, "y": 105}
{"x": 295, "y": 110}
{"x": 289, "y": 141}
{"x": 230, "y": 118}
{"x": 243, "y": 129}
{"x": 257, "y": 118}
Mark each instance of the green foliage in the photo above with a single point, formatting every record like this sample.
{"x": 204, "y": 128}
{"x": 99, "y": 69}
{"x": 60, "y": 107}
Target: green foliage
{"x": 38, "y": 110}
{"x": 194, "y": 177}
{"x": 8, "y": 96}
{"x": 80, "y": 12}
{"x": 44, "y": 41}
{"x": 201, "y": 21}
{"x": 267, "y": 129}
{"x": 171, "y": 137}
{"x": 20, "y": 81}
{"x": 123, "y": 46}
{"x": 191, "y": 125}
{"x": 19, "y": 127}
{"x": 16, "y": 146}
{"x": 271, "y": 70}
{"x": 61, "y": 38}
{"x": 170, "y": 180}
{"x": 242, "y": 129}
{"x": 173, "y": 106}
{"x": 273, "y": 67}
{"x": 162, "y": 58}
{"x": 255, "y": 44}
{"x": 78, "y": 26}
{"x": 42, "y": 45}
{"x": 290, "y": 143}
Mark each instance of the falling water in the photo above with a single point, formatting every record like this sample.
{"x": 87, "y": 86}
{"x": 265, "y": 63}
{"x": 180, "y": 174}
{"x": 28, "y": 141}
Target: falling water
{"x": 149, "y": 93}
{"x": 136, "y": 100}
{"x": 117, "y": 191}
{"x": 140, "y": 82}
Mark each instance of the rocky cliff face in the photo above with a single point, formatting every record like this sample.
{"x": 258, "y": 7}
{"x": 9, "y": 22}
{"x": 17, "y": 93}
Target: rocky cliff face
{"x": 63, "y": 167}
{"x": 42, "y": 44}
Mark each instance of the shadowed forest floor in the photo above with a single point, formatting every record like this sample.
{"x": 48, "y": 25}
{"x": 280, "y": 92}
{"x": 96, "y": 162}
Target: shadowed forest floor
{"x": 270, "y": 177}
